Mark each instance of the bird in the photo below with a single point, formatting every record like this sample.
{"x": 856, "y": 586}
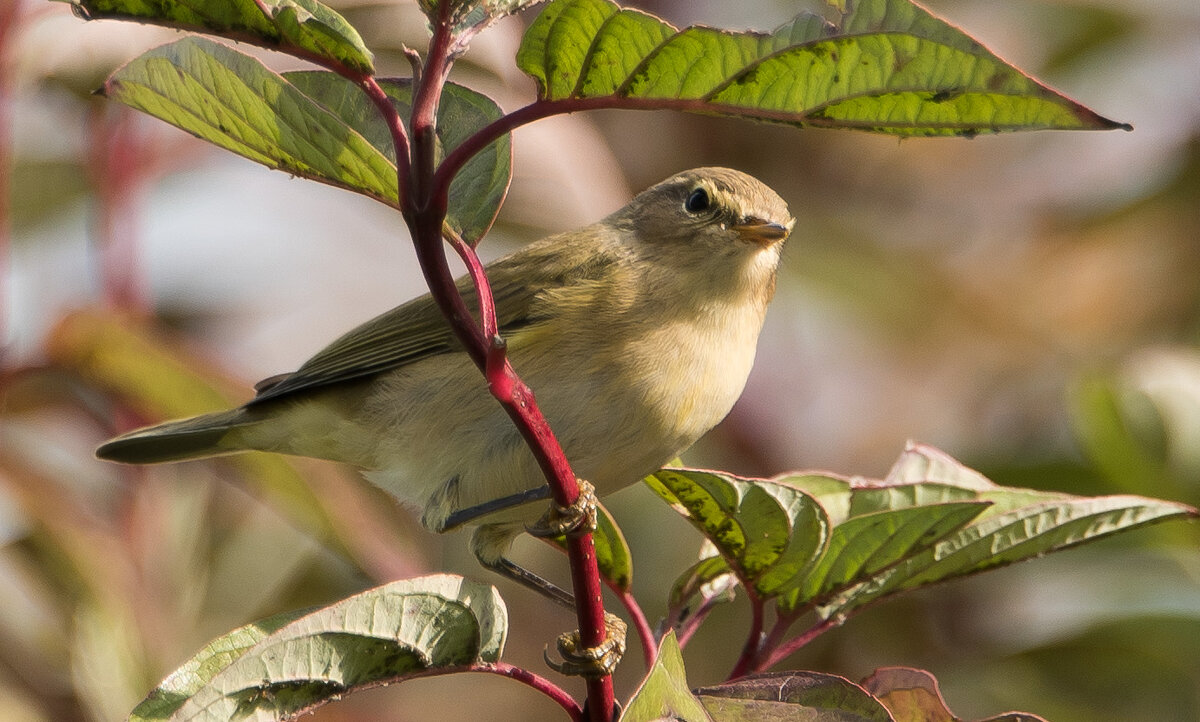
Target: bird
{"x": 636, "y": 333}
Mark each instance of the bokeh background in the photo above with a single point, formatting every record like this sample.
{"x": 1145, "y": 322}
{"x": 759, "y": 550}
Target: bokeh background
{"x": 1030, "y": 303}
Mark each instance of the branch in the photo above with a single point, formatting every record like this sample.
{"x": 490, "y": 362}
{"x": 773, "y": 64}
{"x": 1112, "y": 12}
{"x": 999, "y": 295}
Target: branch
{"x": 399, "y": 135}
{"x": 424, "y": 207}
{"x": 497, "y": 349}
{"x": 645, "y": 633}
{"x": 541, "y": 684}
{"x": 502, "y": 669}
{"x": 785, "y": 650}
{"x": 754, "y": 638}
{"x": 545, "y": 108}
{"x": 688, "y": 627}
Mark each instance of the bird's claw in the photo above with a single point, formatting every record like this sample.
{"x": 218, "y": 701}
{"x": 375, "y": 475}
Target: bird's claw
{"x": 580, "y": 516}
{"x": 591, "y": 662}
{"x": 577, "y": 660}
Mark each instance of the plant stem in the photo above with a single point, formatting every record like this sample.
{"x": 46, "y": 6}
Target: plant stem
{"x": 775, "y": 637}
{"x": 754, "y": 637}
{"x": 645, "y": 633}
{"x": 399, "y": 135}
{"x": 785, "y": 650}
{"x": 688, "y": 627}
{"x": 424, "y": 206}
{"x": 541, "y": 684}
{"x": 518, "y": 401}
{"x": 503, "y": 669}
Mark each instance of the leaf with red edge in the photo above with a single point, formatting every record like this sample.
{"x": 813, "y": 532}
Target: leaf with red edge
{"x": 1018, "y": 524}
{"x": 912, "y": 695}
{"x": 232, "y": 100}
{"x": 305, "y": 28}
{"x": 792, "y": 696}
{"x": 886, "y": 66}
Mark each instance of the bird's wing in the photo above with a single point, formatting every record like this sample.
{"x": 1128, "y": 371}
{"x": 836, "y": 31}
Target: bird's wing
{"x": 417, "y": 330}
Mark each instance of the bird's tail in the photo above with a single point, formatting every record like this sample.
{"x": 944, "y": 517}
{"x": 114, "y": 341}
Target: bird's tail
{"x": 199, "y": 436}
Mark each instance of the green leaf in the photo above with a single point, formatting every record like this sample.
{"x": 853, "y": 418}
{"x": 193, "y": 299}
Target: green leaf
{"x": 198, "y": 671}
{"x": 923, "y": 463}
{"x": 664, "y": 693}
{"x": 234, "y": 101}
{"x": 612, "y": 551}
{"x": 293, "y": 663}
{"x": 478, "y": 190}
{"x": 913, "y": 694}
{"x": 831, "y": 492}
{"x": 467, "y": 17}
{"x": 708, "y": 500}
{"x": 710, "y": 578}
{"x": 792, "y": 696}
{"x": 748, "y": 526}
{"x": 766, "y": 531}
{"x": 864, "y": 545}
{"x": 816, "y": 538}
{"x": 305, "y": 28}
{"x": 809, "y": 535}
{"x": 876, "y": 525}
{"x": 889, "y": 67}
{"x": 1019, "y": 524}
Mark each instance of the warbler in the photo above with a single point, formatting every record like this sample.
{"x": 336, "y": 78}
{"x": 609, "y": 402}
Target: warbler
{"x": 636, "y": 334}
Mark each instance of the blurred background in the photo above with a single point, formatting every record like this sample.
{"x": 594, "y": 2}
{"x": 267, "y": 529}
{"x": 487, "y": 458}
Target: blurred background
{"x": 1029, "y": 303}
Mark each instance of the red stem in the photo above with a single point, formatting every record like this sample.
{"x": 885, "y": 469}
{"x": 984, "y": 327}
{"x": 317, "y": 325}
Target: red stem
{"x": 545, "y": 108}
{"x": 688, "y": 628}
{"x": 500, "y": 381}
{"x": 774, "y": 637}
{"x": 645, "y": 633}
{"x": 783, "y": 651}
{"x": 750, "y": 651}
{"x": 503, "y": 669}
{"x": 396, "y": 128}
{"x": 541, "y": 684}
{"x": 425, "y": 210}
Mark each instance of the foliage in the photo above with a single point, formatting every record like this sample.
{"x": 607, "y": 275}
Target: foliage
{"x": 808, "y": 542}
{"x": 290, "y": 663}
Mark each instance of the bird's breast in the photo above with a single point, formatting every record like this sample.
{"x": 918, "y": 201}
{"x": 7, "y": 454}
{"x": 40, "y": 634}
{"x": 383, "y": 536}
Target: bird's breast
{"x": 693, "y": 371}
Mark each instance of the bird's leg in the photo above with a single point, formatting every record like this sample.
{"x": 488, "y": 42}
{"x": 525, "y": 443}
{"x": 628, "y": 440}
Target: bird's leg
{"x": 578, "y": 518}
{"x": 470, "y": 514}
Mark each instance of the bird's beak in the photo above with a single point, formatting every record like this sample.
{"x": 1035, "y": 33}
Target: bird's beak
{"x": 764, "y": 233}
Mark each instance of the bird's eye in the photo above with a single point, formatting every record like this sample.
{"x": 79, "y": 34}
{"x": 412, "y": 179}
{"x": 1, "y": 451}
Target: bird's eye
{"x": 697, "y": 202}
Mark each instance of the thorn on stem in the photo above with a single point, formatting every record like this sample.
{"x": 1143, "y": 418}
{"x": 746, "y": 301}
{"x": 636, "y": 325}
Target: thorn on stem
{"x": 496, "y": 368}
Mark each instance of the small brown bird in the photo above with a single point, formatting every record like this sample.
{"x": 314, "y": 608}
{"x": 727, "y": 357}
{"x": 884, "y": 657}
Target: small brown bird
{"x": 636, "y": 333}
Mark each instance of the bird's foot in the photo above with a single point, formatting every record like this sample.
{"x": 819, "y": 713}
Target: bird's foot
{"x": 577, "y": 518}
{"x": 591, "y": 662}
